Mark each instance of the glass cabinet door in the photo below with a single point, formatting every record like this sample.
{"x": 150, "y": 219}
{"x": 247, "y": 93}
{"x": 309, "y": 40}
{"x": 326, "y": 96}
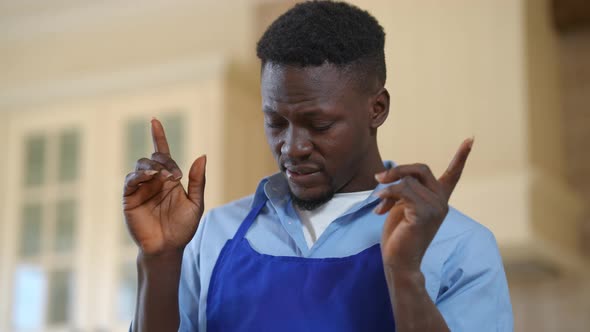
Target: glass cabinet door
{"x": 45, "y": 272}
{"x": 70, "y": 264}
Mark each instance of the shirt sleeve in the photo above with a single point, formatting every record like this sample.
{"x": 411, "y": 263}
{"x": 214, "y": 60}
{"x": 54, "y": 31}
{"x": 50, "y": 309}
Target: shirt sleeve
{"x": 189, "y": 288}
{"x": 474, "y": 294}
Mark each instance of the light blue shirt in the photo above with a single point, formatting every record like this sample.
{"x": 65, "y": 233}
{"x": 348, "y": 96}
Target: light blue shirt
{"x": 462, "y": 266}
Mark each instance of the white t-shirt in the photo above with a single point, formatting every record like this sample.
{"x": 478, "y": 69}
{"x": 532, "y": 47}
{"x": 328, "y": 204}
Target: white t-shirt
{"x": 316, "y": 221}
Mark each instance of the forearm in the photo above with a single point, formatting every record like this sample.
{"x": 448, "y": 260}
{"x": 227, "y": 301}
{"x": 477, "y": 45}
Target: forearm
{"x": 157, "y": 293}
{"x": 413, "y": 309}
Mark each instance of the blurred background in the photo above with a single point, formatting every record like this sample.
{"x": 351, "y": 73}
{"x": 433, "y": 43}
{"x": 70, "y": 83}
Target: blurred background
{"x": 81, "y": 79}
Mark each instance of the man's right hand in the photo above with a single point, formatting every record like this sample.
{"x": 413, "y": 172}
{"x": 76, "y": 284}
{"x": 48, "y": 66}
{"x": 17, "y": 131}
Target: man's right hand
{"x": 161, "y": 216}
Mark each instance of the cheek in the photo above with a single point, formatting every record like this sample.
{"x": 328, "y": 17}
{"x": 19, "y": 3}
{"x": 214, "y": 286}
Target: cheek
{"x": 338, "y": 146}
{"x": 345, "y": 149}
{"x": 273, "y": 142}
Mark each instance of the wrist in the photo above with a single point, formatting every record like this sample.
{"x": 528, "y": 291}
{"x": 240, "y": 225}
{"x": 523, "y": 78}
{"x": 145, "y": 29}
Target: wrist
{"x": 158, "y": 278}
{"x": 170, "y": 260}
{"x": 405, "y": 278}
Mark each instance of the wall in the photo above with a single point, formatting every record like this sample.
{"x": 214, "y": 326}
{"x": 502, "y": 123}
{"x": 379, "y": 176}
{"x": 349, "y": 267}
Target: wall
{"x": 550, "y": 303}
{"x": 575, "y": 81}
{"x": 247, "y": 157}
{"x": 89, "y": 38}
{"x": 4, "y": 267}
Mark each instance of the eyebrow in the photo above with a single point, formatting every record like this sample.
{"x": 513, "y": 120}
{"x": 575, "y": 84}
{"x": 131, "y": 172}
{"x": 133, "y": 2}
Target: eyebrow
{"x": 305, "y": 113}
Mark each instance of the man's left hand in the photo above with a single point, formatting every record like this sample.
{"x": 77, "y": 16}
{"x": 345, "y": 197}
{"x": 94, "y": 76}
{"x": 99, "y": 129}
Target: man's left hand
{"x": 417, "y": 206}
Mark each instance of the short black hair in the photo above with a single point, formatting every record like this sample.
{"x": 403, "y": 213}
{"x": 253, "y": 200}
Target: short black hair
{"x": 314, "y": 33}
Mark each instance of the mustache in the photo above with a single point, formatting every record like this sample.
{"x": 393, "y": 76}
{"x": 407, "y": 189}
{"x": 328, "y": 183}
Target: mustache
{"x": 298, "y": 166}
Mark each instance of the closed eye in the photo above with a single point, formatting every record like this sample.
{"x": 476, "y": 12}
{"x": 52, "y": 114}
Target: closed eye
{"x": 274, "y": 125}
{"x": 322, "y": 126}
{"x": 274, "y": 121}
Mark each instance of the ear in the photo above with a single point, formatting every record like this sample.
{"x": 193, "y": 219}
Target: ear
{"x": 379, "y": 108}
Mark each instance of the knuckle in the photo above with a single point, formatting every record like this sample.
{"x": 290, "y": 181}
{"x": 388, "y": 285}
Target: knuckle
{"x": 430, "y": 214}
{"x": 423, "y": 168}
{"x": 142, "y": 163}
{"x": 389, "y": 191}
{"x": 157, "y": 156}
{"x": 439, "y": 211}
{"x": 164, "y": 159}
{"x": 405, "y": 182}
{"x": 145, "y": 164}
{"x": 170, "y": 163}
{"x": 409, "y": 181}
{"x": 394, "y": 189}
{"x": 129, "y": 176}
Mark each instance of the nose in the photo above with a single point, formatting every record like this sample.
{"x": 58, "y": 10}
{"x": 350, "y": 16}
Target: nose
{"x": 297, "y": 144}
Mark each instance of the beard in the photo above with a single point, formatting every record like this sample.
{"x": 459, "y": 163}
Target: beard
{"x": 311, "y": 204}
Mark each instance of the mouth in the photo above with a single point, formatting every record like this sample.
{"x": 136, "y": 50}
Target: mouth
{"x": 302, "y": 175}
{"x": 292, "y": 174}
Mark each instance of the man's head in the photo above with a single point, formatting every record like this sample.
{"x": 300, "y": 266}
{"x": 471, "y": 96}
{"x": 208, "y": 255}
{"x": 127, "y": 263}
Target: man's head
{"x": 323, "y": 72}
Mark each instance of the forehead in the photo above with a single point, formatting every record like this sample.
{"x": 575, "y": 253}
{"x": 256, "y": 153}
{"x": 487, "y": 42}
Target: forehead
{"x": 286, "y": 84}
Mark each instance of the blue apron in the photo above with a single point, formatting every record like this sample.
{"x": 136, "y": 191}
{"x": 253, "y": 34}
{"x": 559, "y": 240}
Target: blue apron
{"x": 255, "y": 292}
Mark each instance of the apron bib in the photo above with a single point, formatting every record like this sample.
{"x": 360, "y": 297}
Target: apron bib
{"x": 250, "y": 291}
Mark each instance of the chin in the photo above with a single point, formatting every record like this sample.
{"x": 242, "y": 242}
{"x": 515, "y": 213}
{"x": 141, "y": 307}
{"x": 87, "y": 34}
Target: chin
{"x": 310, "y": 198}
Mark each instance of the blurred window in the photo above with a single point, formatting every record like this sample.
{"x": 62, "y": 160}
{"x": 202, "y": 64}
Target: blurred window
{"x": 35, "y": 147}
{"x": 65, "y": 225}
{"x": 45, "y": 273}
{"x": 68, "y": 155}
{"x": 29, "y": 297}
{"x": 60, "y": 293}
{"x": 127, "y": 290}
{"x": 31, "y": 223}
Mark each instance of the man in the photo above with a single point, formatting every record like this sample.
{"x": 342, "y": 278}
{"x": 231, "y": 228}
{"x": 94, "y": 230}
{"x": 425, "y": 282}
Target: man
{"x": 338, "y": 240}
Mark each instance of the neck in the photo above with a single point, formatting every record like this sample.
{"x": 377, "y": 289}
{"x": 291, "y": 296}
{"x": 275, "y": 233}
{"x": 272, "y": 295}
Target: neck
{"x": 365, "y": 177}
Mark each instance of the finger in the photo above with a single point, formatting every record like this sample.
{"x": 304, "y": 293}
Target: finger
{"x": 385, "y": 205}
{"x": 402, "y": 190}
{"x": 145, "y": 191}
{"x": 134, "y": 179}
{"x": 159, "y": 137}
{"x": 395, "y": 216}
{"x": 426, "y": 206}
{"x": 168, "y": 163}
{"x": 196, "y": 181}
{"x": 145, "y": 164}
{"x": 414, "y": 192}
{"x": 420, "y": 171}
{"x": 451, "y": 176}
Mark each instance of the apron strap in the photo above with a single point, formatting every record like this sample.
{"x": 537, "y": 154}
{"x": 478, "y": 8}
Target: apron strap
{"x": 249, "y": 220}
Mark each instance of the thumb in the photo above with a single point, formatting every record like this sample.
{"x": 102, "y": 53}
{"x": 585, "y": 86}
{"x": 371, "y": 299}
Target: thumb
{"x": 196, "y": 181}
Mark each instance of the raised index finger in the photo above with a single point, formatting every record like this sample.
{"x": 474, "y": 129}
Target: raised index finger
{"x": 451, "y": 176}
{"x": 159, "y": 137}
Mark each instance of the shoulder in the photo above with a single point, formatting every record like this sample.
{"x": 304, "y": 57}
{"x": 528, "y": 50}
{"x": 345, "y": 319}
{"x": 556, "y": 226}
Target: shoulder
{"x": 231, "y": 209}
{"x": 458, "y": 227}
{"x": 469, "y": 285}
{"x": 227, "y": 218}
{"x": 466, "y": 244}
{"x": 462, "y": 244}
